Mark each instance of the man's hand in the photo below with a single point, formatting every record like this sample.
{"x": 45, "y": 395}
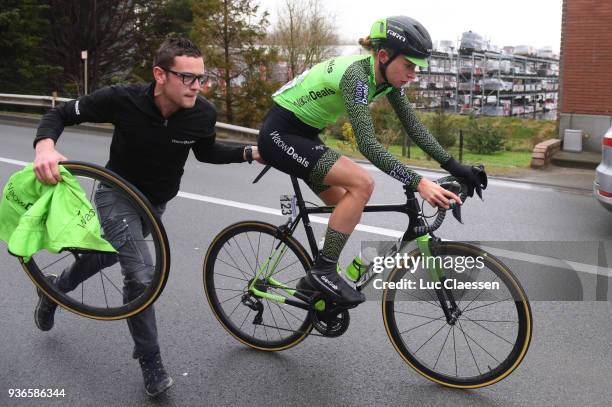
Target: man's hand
{"x": 46, "y": 162}
{"x": 254, "y": 154}
{"x": 435, "y": 194}
{"x": 257, "y": 156}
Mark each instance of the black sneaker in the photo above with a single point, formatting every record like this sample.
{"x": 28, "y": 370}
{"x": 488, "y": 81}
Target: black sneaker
{"x": 44, "y": 312}
{"x": 325, "y": 278}
{"x": 156, "y": 380}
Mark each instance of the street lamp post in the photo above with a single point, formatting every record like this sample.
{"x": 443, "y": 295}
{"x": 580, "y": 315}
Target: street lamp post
{"x": 84, "y": 58}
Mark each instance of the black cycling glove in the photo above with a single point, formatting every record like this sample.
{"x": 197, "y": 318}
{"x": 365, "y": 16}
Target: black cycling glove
{"x": 474, "y": 177}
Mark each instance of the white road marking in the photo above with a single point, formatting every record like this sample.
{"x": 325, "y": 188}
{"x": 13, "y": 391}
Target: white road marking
{"x": 543, "y": 260}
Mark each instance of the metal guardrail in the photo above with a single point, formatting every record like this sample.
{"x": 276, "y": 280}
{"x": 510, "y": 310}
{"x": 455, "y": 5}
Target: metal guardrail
{"x": 51, "y": 101}
{"x": 31, "y": 100}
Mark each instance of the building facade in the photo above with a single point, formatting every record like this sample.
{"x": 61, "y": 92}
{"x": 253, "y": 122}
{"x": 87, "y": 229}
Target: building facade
{"x": 585, "y": 100}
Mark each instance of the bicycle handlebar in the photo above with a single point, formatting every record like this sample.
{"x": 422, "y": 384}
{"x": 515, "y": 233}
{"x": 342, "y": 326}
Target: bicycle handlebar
{"x": 453, "y": 184}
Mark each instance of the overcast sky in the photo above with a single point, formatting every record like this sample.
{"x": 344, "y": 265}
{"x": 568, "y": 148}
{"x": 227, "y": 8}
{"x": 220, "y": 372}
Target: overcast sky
{"x": 509, "y": 22}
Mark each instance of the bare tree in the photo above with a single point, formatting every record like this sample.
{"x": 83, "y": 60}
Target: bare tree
{"x": 305, "y": 34}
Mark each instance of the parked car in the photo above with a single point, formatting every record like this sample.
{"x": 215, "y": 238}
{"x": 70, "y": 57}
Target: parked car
{"x": 602, "y": 187}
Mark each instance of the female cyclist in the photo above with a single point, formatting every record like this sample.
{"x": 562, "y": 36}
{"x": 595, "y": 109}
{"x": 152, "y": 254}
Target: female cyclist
{"x": 288, "y": 139}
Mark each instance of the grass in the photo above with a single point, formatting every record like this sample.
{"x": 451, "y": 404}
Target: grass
{"x": 500, "y": 163}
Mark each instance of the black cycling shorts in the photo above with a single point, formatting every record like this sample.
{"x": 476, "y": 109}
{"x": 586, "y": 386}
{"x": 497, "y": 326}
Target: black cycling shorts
{"x": 292, "y": 146}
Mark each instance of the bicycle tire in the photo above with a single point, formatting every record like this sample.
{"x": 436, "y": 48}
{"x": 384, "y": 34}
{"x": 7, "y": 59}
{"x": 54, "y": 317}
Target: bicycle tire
{"x": 90, "y": 177}
{"x": 519, "y": 306}
{"x": 216, "y": 283}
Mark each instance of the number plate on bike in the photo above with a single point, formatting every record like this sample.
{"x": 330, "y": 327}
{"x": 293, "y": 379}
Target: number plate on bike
{"x": 288, "y": 205}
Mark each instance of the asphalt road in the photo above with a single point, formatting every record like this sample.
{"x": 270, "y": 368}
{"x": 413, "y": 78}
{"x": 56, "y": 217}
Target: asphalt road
{"x": 569, "y": 361}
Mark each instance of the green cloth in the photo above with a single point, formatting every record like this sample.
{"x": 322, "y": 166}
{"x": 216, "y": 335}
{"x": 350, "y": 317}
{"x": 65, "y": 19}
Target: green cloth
{"x": 36, "y": 216}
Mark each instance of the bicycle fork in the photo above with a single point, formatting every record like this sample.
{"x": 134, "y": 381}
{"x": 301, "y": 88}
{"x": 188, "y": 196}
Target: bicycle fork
{"x": 437, "y": 275}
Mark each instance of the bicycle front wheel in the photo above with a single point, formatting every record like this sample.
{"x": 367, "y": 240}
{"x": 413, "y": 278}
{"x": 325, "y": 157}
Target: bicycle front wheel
{"x": 92, "y": 282}
{"x": 492, "y": 330}
{"x": 231, "y": 265}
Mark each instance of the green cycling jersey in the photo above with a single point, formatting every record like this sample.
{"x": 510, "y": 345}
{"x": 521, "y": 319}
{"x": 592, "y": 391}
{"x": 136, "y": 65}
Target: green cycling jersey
{"x": 346, "y": 85}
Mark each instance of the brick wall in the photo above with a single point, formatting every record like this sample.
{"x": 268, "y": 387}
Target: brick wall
{"x": 586, "y": 57}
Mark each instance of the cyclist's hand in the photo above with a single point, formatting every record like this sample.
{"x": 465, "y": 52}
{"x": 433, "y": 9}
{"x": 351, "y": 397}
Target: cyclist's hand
{"x": 257, "y": 156}
{"x": 435, "y": 194}
{"x": 474, "y": 177}
{"x": 46, "y": 162}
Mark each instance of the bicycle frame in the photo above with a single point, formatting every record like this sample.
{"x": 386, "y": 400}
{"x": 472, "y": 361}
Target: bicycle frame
{"x": 410, "y": 208}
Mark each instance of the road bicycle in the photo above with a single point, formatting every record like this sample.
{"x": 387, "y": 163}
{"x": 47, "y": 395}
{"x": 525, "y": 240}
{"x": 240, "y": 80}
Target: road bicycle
{"x": 100, "y": 295}
{"x": 452, "y": 335}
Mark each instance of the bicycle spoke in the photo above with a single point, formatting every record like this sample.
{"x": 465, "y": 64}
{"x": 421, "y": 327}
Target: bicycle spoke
{"x": 236, "y": 307}
{"x": 442, "y": 348}
{"x": 455, "y": 350}
{"x": 479, "y": 345}
{"x": 229, "y": 265}
{"x": 417, "y": 315}
{"x": 273, "y": 319}
{"x": 230, "y": 289}
{"x": 258, "y": 244}
{"x": 423, "y": 324}
{"x": 244, "y": 257}
{"x": 486, "y": 329}
{"x": 283, "y": 314}
{"x": 469, "y": 347}
{"x": 422, "y": 300}
{"x": 253, "y": 250}
{"x": 235, "y": 264}
{"x": 481, "y": 291}
{"x": 266, "y": 333}
{"x": 245, "y": 318}
{"x": 276, "y": 273}
{"x": 110, "y": 281}
{"x": 55, "y": 262}
{"x": 103, "y": 289}
{"x": 235, "y": 278}
{"x": 287, "y": 311}
{"x": 488, "y": 320}
{"x": 430, "y": 338}
{"x": 485, "y": 305}
{"x": 237, "y": 295}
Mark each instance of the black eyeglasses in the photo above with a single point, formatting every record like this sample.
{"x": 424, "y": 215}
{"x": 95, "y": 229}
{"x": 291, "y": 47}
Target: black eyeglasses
{"x": 188, "y": 78}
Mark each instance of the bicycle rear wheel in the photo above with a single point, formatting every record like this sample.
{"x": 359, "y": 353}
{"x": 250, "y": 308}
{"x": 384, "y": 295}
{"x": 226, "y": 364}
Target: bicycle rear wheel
{"x": 230, "y": 266}
{"x": 97, "y": 277}
{"x": 490, "y": 336}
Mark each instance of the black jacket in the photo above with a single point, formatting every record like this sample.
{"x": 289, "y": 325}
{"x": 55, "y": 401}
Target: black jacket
{"x": 147, "y": 150}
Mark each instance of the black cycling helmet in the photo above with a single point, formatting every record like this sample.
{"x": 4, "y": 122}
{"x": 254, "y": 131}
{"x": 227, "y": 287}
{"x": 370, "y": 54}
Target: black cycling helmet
{"x": 402, "y": 35}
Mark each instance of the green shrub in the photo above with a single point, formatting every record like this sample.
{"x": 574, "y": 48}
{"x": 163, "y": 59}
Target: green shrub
{"x": 442, "y": 129}
{"x": 483, "y": 138}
